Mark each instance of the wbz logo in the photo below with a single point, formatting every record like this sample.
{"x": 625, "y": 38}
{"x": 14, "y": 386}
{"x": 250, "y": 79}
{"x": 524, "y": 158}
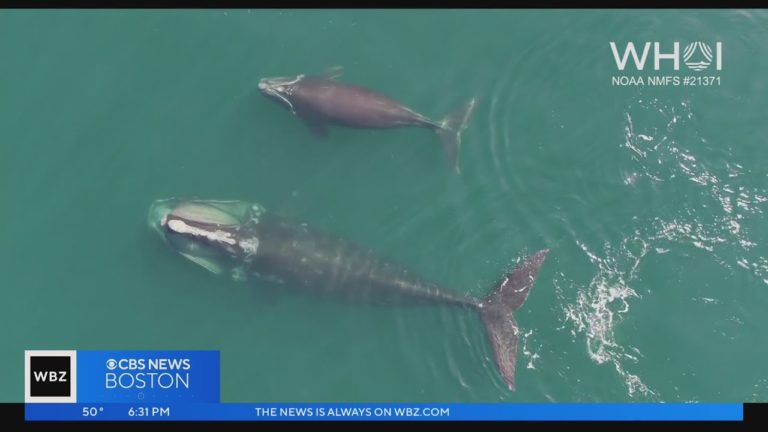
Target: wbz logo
{"x": 49, "y": 376}
{"x": 696, "y": 56}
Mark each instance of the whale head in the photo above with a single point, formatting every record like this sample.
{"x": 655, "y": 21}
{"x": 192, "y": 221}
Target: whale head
{"x": 280, "y": 88}
{"x": 216, "y": 235}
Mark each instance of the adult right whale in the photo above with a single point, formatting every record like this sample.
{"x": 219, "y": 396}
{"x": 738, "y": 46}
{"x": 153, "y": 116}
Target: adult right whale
{"x": 320, "y": 100}
{"x": 242, "y": 240}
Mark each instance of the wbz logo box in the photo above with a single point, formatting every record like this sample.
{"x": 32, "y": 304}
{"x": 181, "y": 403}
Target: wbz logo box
{"x": 50, "y": 376}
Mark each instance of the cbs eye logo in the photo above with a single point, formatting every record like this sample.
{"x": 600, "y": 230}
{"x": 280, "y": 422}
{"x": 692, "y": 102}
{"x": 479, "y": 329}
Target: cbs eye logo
{"x": 50, "y": 376}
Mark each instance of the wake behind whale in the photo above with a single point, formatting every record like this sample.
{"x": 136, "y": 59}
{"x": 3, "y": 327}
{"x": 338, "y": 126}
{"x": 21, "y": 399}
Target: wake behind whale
{"x": 242, "y": 240}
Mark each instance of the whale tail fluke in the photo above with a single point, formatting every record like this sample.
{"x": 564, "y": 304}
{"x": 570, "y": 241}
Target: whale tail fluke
{"x": 450, "y": 129}
{"x": 496, "y": 310}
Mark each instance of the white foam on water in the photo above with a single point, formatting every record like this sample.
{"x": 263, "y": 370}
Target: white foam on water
{"x": 600, "y": 307}
{"x": 716, "y": 220}
{"x": 712, "y": 220}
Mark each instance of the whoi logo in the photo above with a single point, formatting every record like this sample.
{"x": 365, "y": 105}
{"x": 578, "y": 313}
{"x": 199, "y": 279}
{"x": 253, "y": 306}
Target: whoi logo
{"x": 698, "y": 56}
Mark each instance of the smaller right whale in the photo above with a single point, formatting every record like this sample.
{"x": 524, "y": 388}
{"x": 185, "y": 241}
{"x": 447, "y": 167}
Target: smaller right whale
{"x": 320, "y": 100}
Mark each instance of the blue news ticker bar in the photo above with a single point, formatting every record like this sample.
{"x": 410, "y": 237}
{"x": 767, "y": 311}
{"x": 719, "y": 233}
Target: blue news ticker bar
{"x": 387, "y": 411}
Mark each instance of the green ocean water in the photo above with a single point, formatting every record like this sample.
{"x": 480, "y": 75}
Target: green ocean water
{"x": 652, "y": 199}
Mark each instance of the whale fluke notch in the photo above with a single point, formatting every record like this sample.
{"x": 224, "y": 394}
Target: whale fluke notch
{"x": 236, "y": 238}
{"x": 496, "y": 310}
{"x": 449, "y": 130}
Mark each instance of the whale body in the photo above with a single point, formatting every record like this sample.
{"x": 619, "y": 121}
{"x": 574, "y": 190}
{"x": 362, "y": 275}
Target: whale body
{"x": 243, "y": 240}
{"x": 320, "y": 100}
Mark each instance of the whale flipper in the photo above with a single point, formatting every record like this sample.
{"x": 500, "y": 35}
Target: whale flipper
{"x": 331, "y": 73}
{"x": 496, "y": 311}
{"x": 318, "y": 129}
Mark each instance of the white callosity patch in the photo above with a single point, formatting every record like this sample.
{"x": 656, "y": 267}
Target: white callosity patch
{"x": 250, "y": 245}
{"x": 256, "y": 212}
{"x": 280, "y": 88}
{"x": 216, "y": 236}
{"x": 257, "y": 209}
